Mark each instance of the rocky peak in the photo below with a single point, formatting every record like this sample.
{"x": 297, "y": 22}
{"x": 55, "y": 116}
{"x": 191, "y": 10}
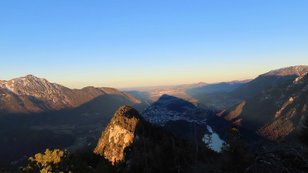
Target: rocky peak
{"x": 127, "y": 112}
{"x": 289, "y": 71}
{"x": 30, "y": 82}
{"x": 37, "y": 87}
{"x": 118, "y": 135}
{"x": 31, "y": 77}
{"x": 27, "y": 79}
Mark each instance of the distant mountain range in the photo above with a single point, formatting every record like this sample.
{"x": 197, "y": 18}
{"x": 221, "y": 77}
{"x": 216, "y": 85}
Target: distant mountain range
{"x": 36, "y": 114}
{"x": 31, "y": 94}
{"x": 194, "y": 93}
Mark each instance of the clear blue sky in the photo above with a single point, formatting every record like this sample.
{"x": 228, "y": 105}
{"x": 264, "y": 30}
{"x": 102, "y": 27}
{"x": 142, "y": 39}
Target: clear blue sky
{"x": 124, "y": 43}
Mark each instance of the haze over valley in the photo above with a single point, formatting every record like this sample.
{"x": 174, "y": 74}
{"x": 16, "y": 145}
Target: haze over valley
{"x": 158, "y": 86}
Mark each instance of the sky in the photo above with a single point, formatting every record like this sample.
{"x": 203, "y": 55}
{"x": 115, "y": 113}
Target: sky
{"x": 129, "y": 43}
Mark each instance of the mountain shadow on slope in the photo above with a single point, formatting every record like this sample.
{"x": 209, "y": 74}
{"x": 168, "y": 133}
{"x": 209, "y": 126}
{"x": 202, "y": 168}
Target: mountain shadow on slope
{"x": 186, "y": 120}
{"x": 170, "y": 108}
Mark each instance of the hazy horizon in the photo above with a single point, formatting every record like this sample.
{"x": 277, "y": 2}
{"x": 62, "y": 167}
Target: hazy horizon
{"x": 154, "y": 85}
{"x": 126, "y": 44}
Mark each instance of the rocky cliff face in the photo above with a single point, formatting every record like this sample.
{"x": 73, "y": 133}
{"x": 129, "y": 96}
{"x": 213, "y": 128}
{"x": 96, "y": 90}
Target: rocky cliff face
{"x": 118, "y": 135}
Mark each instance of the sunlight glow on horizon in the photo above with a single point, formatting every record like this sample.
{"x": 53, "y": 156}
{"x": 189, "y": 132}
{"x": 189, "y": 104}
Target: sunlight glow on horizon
{"x": 125, "y": 44}
{"x": 150, "y": 80}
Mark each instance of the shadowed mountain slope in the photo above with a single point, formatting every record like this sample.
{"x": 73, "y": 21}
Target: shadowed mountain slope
{"x": 277, "y": 107}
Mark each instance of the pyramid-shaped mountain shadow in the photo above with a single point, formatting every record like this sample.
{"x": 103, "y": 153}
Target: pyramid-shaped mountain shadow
{"x": 183, "y": 118}
{"x": 133, "y": 144}
{"x": 170, "y": 108}
{"x": 191, "y": 122}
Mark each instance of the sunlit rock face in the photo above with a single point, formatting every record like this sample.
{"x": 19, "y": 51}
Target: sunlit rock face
{"x": 118, "y": 135}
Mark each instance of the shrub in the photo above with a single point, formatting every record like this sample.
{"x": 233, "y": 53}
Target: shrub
{"x": 48, "y": 162}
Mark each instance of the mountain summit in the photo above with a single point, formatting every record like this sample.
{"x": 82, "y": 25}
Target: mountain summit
{"x": 118, "y": 135}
